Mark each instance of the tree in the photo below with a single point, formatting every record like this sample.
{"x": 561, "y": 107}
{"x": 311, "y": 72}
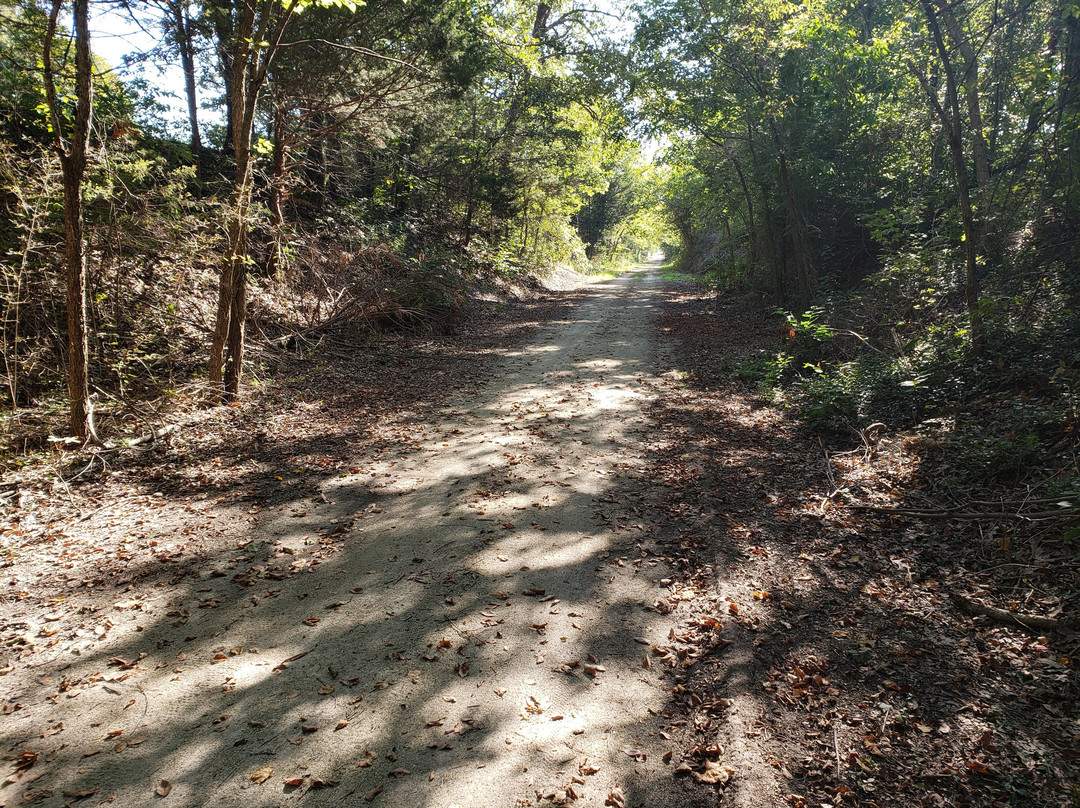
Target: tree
{"x": 181, "y": 25}
{"x": 255, "y": 30}
{"x": 72, "y": 151}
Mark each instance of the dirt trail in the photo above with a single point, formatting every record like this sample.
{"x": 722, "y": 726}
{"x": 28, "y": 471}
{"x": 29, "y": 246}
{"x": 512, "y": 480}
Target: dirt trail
{"x": 479, "y": 639}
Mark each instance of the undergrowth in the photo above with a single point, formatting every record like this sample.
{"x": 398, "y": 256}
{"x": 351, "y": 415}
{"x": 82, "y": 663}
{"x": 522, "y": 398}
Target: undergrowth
{"x": 1007, "y": 417}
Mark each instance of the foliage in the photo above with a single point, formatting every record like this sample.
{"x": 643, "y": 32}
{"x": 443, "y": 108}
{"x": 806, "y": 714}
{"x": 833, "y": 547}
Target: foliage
{"x": 460, "y": 138}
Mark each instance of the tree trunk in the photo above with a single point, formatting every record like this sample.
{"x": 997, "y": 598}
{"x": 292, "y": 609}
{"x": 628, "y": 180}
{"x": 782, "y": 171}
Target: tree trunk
{"x": 247, "y": 77}
{"x": 953, "y": 126}
{"x": 279, "y": 185}
{"x": 979, "y": 151}
{"x": 185, "y": 44}
{"x": 805, "y": 275}
{"x": 221, "y": 16}
{"x": 73, "y": 166}
{"x": 225, "y": 362}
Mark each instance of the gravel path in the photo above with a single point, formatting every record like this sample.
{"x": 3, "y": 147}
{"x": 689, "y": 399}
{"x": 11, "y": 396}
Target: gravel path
{"x": 480, "y": 639}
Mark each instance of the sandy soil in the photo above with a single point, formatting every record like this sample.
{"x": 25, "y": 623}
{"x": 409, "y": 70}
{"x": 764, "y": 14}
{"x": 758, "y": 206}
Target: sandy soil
{"x": 475, "y": 614}
{"x": 562, "y": 556}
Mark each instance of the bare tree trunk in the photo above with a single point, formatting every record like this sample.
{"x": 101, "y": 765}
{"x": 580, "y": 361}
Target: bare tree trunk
{"x": 73, "y": 167}
{"x": 185, "y": 44}
{"x": 970, "y": 82}
{"x": 247, "y": 77}
{"x": 279, "y": 185}
{"x": 953, "y": 126}
{"x": 805, "y": 273}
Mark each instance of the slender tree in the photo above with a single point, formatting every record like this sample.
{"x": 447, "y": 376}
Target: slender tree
{"x": 256, "y": 31}
{"x": 72, "y": 151}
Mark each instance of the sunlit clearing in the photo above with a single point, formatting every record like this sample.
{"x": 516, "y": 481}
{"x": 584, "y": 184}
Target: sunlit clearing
{"x": 252, "y": 673}
{"x": 601, "y": 364}
{"x": 572, "y": 549}
{"x": 612, "y": 398}
{"x": 535, "y": 349}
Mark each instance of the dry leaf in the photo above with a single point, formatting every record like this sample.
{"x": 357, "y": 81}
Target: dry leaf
{"x": 615, "y": 798}
{"x": 373, "y": 793}
{"x": 367, "y": 761}
{"x": 715, "y": 772}
{"x": 262, "y": 774}
{"x": 164, "y": 788}
{"x": 294, "y": 782}
{"x": 80, "y": 793}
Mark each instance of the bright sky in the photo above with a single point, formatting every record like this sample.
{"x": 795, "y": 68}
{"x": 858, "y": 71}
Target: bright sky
{"x": 114, "y": 35}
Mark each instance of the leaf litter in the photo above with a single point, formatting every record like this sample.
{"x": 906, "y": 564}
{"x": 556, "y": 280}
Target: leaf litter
{"x": 860, "y": 659}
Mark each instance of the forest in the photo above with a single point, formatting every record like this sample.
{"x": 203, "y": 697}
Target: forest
{"x": 282, "y": 244}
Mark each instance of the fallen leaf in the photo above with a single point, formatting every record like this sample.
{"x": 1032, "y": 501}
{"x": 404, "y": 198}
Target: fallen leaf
{"x": 373, "y": 793}
{"x": 615, "y": 798}
{"x": 715, "y": 772}
{"x": 78, "y": 794}
{"x": 164, "y": 788}
{"x": 367, "y": 761}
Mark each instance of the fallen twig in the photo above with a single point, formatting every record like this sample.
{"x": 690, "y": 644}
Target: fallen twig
{"x": 1031, "y": 622}
{"x": 836, "y": 750}
{"x": 154, "y": 434}
{"x": 969, "y": 516}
